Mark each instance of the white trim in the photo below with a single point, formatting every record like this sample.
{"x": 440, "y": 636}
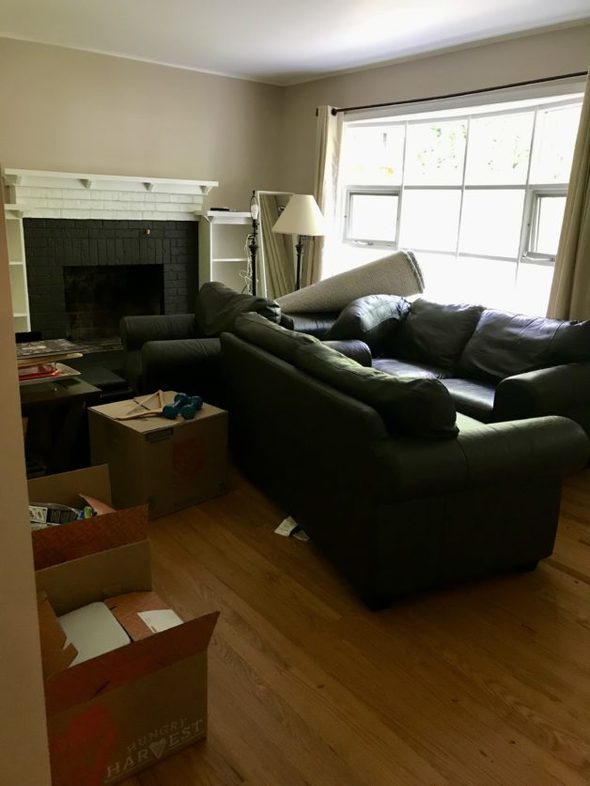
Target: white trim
{"x": 43, "y": 194}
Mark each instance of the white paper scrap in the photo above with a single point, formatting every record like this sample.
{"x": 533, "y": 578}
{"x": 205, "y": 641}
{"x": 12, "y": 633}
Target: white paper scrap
{"x": 289, "y": 527}
{"x": 286, "y": 527}
{"x": 160, "y": 619}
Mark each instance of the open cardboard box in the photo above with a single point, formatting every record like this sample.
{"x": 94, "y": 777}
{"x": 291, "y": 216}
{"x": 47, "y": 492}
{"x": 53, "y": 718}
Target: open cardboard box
{"x": 115, "y": 714}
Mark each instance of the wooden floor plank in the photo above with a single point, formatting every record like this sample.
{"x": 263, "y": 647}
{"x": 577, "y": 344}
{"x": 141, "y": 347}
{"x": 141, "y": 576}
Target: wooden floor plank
{"x": 487, "y": 683}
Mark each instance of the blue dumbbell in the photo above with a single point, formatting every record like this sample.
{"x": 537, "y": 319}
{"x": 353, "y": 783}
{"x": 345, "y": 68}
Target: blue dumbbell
{"x": 186, "y": 406}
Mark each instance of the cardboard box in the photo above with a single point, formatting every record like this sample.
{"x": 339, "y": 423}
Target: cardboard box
{"x": 113, "y": 715}
{"x": 168, "y": 464}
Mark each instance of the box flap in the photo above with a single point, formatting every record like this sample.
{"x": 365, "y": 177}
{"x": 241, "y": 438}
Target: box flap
{"x": 79, "y": 582}
{"x": 112, "y": 670}
{"x": 127, "y": 608}
{"x": 55, "y": 655}
{"x": 54, "y": 545}
{"x": 65, "y": 487}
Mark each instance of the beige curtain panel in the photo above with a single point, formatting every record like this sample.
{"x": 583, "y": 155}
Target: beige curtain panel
{"x": 570, "y": 290}
{"x": 328, "y": 137}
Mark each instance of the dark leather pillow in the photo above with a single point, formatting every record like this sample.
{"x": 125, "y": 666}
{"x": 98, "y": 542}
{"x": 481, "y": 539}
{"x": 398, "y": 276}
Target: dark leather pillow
{"x": 571, "y": 343}
{"x": 273, "y": 338}
{"x": 505, "y": 344}
{"x": 372, "y": 319}
{"x": 435, "y": 333}
{"x": 415, "y": 407}
{"x": 218, "y": 306}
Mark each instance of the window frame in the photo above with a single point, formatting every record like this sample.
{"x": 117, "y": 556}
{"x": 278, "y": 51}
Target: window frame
{"x": 350, "y": 193}
{"x": 528, "y": 256}
{"x": 532, "y": 192}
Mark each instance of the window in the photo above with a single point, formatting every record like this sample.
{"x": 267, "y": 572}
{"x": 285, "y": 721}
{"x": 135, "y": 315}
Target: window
{"x": 478, "y": 193}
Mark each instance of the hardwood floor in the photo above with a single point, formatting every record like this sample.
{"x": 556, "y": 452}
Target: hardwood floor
{"x": 482, "y": 684}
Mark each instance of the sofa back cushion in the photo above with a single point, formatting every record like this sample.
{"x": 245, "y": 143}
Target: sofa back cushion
{"x": 505, "y": 344}
{"x": 414, "y": 407}
{"x": 435, "y": 333}
{"x": 277, "y": 340}
{"x": 218, "y": 306}
{"x": 373, "y": 319}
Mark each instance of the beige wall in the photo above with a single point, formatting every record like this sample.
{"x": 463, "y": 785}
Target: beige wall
{"x": 515, "y": 60}
{"x": 80, "y": 112}
{"x": 22, "y": 718}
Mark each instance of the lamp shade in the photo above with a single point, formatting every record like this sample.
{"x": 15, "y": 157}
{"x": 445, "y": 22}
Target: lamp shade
{"x": 302, "y": 216}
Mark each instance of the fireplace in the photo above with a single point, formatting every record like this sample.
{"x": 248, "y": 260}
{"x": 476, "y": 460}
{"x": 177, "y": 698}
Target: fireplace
{"x": 96, "y": 297}
{"x": 84, "y": 275}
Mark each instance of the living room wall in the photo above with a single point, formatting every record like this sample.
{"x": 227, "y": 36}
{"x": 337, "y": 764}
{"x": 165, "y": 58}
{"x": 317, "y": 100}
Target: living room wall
{"x": 67, "y": 110}
{"x": 518, "y": 59}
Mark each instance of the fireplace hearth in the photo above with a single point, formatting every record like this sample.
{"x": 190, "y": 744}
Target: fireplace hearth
{"x": 83, "y": 275}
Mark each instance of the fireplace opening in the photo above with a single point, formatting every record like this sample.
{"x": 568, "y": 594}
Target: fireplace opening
{"x": 97, "y": 296}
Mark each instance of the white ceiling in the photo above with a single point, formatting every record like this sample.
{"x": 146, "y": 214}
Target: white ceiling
{"x": 273, "y": 41}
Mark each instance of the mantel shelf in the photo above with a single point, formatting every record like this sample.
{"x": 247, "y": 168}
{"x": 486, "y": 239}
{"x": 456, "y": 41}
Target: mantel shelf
{"x": 86, "y": 181}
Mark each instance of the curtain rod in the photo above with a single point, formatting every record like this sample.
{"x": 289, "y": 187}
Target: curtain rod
{"x": 459, "y": 95}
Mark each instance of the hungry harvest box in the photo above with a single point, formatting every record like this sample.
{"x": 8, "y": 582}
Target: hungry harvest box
{"x": 117, "y": 713}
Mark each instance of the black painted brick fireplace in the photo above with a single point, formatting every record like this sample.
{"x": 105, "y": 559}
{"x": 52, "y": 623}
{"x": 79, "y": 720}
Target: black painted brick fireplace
{"x": 54, "y": 244}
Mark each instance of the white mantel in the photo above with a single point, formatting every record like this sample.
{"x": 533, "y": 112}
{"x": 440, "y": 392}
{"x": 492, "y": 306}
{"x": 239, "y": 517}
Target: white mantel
{"x": 38, "y": 194}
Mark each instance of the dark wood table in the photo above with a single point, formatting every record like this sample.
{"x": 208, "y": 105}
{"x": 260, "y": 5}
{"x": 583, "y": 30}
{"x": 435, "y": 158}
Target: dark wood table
{"x": 57, "y": 429}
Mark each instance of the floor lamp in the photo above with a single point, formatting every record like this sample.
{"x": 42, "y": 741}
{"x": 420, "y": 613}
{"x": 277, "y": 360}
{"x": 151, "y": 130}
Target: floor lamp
{"x": 301, "y": 217}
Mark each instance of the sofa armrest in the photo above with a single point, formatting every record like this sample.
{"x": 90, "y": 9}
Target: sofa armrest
{"x": 189, "y": 365}
{"x": 354, "y": 349}
{"x": 483, "y": 454}
{"x": 560, "y": 390}
{"x": 136, "y": 331}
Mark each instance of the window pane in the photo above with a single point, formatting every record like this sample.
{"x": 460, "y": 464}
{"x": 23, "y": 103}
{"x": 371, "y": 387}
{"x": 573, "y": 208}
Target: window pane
{"x": 491, "y": 222}
{"x": 372, "y": 155}
{"x": 435, "y": 152}
{"x": 549, "y": 219}
{"x": 430, "y": 219}
{"x": 465, "y": 280}
{"x": 499, "y": 149}
{"x": 555, "y": 138}
{"x": 532, "y": 288}
{"x": 373, "y": 217}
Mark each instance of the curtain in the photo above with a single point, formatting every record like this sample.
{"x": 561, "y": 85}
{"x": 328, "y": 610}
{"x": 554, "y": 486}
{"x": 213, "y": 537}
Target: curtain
{"x": 570, "y": 290}
{"x": 328, "y": 136}
{"x": 277, "y": 249}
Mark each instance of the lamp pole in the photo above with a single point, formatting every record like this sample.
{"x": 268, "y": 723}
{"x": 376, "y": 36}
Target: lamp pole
{"x": 253, "y": 240}
{"x": 299, "y": 251}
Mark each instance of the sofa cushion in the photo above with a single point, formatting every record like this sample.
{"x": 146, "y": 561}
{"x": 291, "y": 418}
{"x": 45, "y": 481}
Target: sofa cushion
{"x": 505, "y": 344}
{"x": 472, "y": 398}
{"x": 402, "y": 368}
{"x": 273, "y": 338}
{"x": 435, "y": 333}
{"x": 373, "y": 319}
{"x": 416, "y": 407}
{"x": 218, "y": 306}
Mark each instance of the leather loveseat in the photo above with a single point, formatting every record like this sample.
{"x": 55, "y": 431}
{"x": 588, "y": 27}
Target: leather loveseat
{"x": 496, "y": 365}
{"x": 400, "y": 492}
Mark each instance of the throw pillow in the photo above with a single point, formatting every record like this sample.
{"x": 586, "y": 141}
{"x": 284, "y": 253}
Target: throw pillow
{"x": 218, "y": 306}
{"x": 435, "y": 333}
{"x": 415, "y": 407}
{"x": 373, "y": 319}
